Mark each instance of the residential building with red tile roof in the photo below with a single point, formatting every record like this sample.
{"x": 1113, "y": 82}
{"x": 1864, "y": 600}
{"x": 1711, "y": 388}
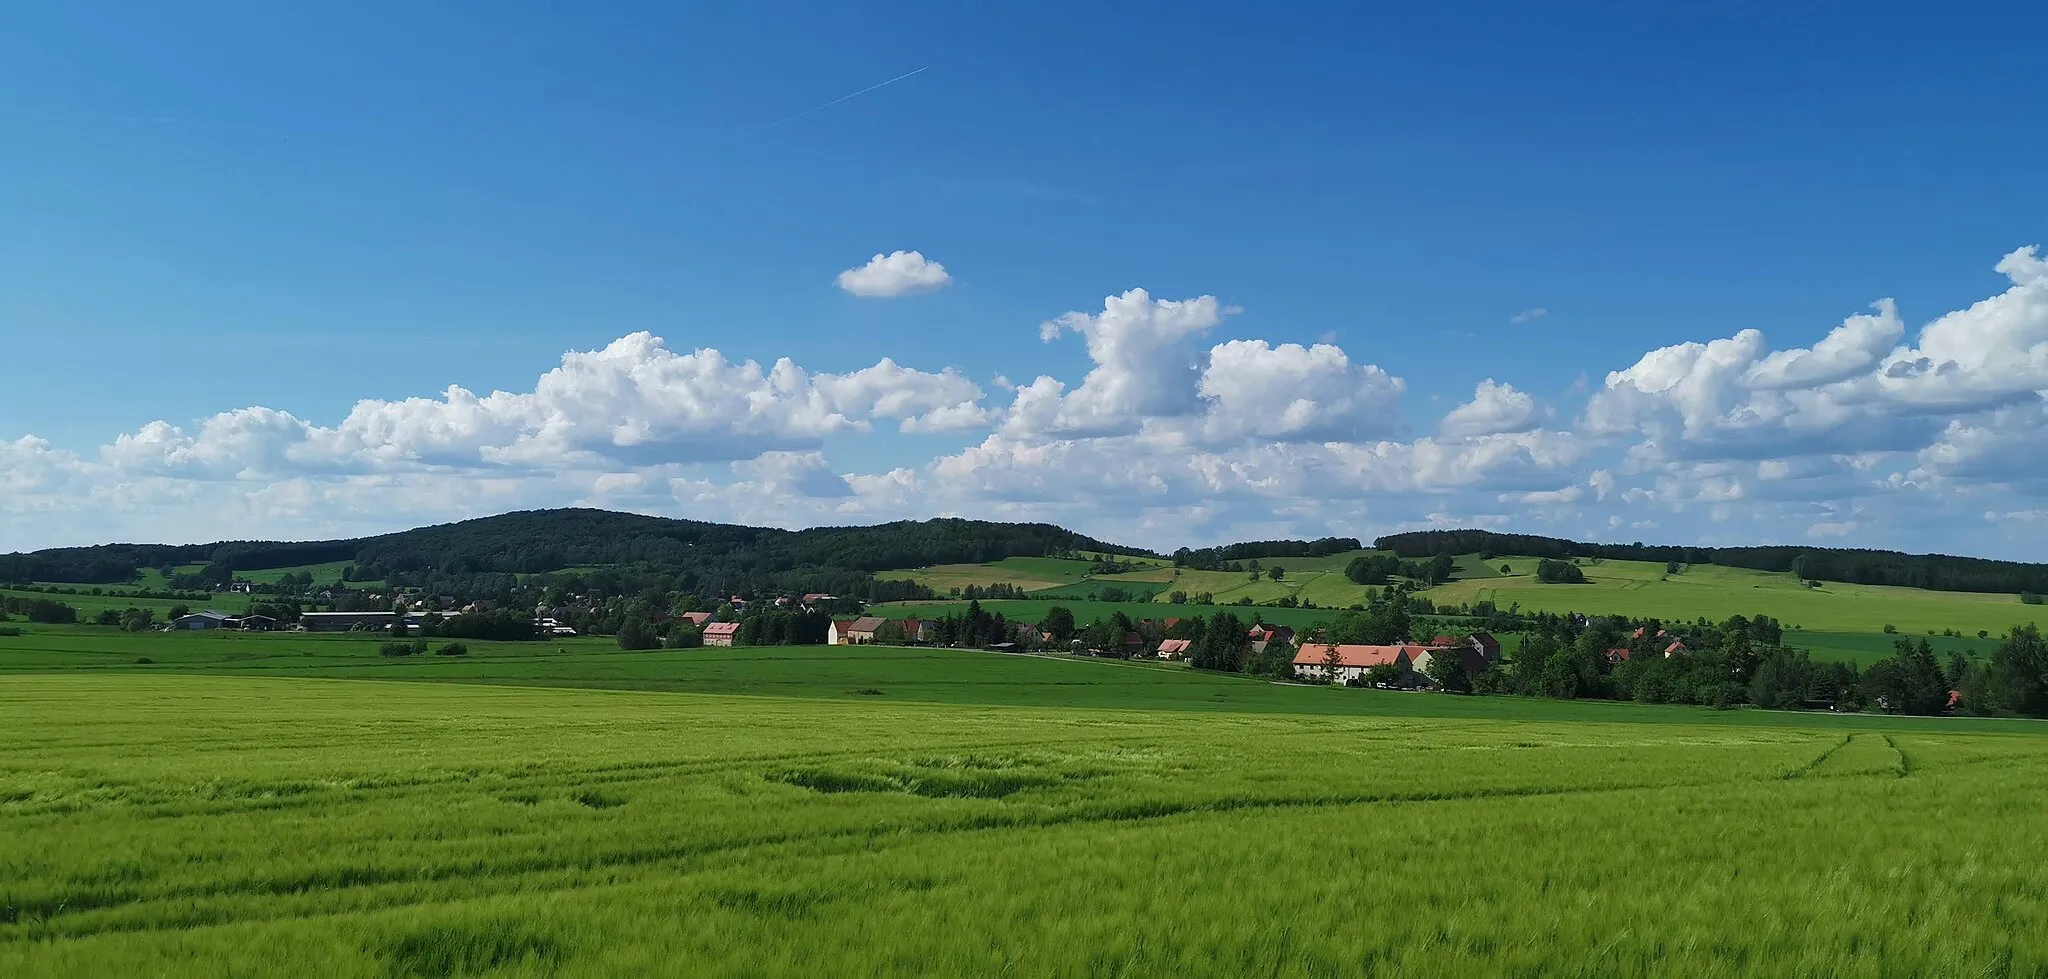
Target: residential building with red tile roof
{"x": 1175, "y": 648}
{"x": 1314, "y": 660}
{"x": 721, "y": 633}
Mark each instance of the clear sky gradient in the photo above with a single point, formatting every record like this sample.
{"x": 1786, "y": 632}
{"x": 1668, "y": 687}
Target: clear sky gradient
{"x": 323, "y": 211}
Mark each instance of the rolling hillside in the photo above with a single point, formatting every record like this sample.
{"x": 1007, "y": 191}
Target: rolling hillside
{"x": 1640, "y": 588}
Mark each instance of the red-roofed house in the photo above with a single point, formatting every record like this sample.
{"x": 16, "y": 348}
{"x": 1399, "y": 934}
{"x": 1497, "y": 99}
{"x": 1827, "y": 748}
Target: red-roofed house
{"x": 1268, "y": 633}
{"x": 916, "y": 630}
{"x": 721, "y": 633}
{"x": 1677, "y": 648}
{"x": 1443, "y": 641}
{"x": 695, "y": 618}
{"x": 1314, "y": 661}
{"x": 1617, "y": 655}
{"x": 1175, "y": 648}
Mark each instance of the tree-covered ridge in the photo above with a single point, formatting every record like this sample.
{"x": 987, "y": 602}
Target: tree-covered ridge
{"x": 1934, "y": 572}
{"x": 539, "y": 541}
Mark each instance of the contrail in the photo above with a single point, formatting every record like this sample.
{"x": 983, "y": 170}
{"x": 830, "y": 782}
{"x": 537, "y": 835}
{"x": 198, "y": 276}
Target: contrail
{"x": 838, "y": 100}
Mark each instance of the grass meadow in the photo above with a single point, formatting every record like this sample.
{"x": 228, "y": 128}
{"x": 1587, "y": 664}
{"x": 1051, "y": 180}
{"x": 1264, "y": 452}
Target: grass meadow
{"x": 1644, "y": 589}
{"x": 89, "y": 604}
{"x": 1836, "y": 621}
{"x": 206, "y": 825}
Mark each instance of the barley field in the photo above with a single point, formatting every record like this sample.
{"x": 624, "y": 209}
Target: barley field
{"x": 247, "y": 825}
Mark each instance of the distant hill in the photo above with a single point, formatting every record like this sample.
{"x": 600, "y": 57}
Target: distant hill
{"x": 1934, "y": 572}
{"x": 724, "y": 555}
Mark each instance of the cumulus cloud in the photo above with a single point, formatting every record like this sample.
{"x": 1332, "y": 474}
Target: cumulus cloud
{"x": 1530, "y": 315}
{"x": 635, "y": 402}
{"x": 898, "y": 273}
{"x": 1146, "y": 365}
{"x": 1296, "y": 393}
{"x": 1855, "y": 391}
{"x": 1848, "y": 350}
{"x": 1495, "y": 409}
{"x": 1168, "y": 430}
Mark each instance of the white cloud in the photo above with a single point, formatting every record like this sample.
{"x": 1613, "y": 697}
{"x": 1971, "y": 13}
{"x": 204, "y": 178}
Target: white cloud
{"x": 1848, "y": 350}
{"x": 1569, "y": 494}
{"x": 634, "y": 402}
{"x": 1602, "y": 482}
{"x": 898, "y": 273}
{"x": 1296, "y": 393}
{"x": 1530, "y": 315}
{"x": 1168, "y": 432}
{"x": 1145, "y": 360}
{"x": 1495, "y": 409}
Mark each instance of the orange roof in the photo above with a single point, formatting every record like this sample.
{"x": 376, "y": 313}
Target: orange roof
{"x": 721, "y": 628}
{"x": 1617, "y": 654}
{"x": 1174, "y": 646}
{"x": 1318, "y": 654}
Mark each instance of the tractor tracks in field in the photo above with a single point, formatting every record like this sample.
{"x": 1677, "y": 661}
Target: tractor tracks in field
{"x": 1819, "y": 760}
{"x": 344, "y": 889}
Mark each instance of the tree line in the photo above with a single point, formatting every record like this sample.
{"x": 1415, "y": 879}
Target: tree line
{"x": 1215, "y": 558}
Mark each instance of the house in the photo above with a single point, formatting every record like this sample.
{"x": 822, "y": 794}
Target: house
{"x": 255, "y": 623}
{"x": 1268, "y": 633}
{"x": 920, "y": 630}
{"x": 1487, "y": 645}
{"x": 204, "y": 620}
{"x": 856, "y": 632}
{"x": 1677, "y": 648}
{"x": 1315, "y": 660}
{"x": 1442, "y": 641}
{"x": 1175, "y": 648}
{"x": 1617, "y": 655}
{"x": 1474, "y": 662}
{"x": 813, "y": 598}
{"x": 721, "y": 633}
{"x": 344, "y": 621}
{"x": 695, "y": 618}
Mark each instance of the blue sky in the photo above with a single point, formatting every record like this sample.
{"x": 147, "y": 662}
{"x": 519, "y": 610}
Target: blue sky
{"x": 321, "y": 212}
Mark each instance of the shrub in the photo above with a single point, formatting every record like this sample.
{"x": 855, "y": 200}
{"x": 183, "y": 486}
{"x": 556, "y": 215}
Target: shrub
{"x": 143, "y": 661}
{"x": 2032, "y": 599}
{"x": 1890, "y": 629}
{"x": 10, "y": 631}
{"x": 1554, "y": 572}
{"x": 395, "y": 648}
{"x": 452, "y": 649}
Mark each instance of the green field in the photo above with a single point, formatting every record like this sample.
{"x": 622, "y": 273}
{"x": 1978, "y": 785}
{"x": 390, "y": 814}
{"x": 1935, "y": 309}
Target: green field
{"x": 1836, "y": 621}
{"x": 1028, "y": 573}
{"x": 1640, "y": 589}
{"x": 90, "y": 605}
{"x": 1034, "y": 609}
{"x": 321, "y": 574}
{"x": 162, "y": 821}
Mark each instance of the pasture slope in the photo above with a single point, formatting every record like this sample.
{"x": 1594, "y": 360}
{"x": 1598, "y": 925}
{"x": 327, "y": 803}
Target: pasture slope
{"x": 1835, "y": 620}
{"x": 188, "y": 824}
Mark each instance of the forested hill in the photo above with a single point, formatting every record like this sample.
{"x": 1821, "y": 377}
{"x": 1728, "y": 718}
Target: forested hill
{"x": 552, "y": 540}
{"x": 1936, "y": 572}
